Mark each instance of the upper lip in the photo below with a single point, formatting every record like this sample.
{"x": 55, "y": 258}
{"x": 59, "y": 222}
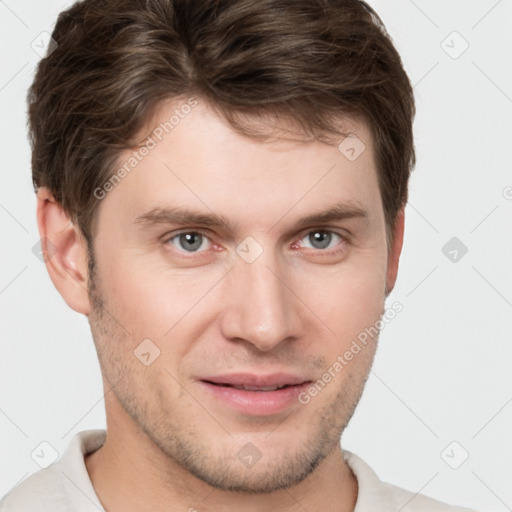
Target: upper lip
{"x": 257, "y": 380}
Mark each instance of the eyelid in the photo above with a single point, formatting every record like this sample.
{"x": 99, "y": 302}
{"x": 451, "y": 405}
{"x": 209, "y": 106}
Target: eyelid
{"x": 343, "y": 233}
{"x": 182, "y": 231}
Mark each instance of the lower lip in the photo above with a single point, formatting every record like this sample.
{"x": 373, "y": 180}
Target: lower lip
{"x": 260, "y": 403}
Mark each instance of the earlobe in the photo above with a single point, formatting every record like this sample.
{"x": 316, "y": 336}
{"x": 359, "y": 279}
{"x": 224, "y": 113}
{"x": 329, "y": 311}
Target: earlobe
{"x": 64, "y": 251}
{"x": 395, "y": 250}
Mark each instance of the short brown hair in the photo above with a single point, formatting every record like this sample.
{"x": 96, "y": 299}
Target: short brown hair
{"x": 311, "y": 61}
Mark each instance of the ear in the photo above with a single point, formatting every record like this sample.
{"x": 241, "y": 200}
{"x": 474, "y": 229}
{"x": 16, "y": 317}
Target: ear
{"x": 64, "y": 250}
{"x": 395, "y": 250}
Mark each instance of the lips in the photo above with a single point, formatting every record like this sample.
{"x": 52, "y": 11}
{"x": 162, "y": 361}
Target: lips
{"x": 253, "y": 394}
{"x": 254, "y": 382}
{"x": 253, "y": 388}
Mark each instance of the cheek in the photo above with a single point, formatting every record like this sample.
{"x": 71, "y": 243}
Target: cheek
{"x": 147, "y": 298}
{"x": 346, "y": 298}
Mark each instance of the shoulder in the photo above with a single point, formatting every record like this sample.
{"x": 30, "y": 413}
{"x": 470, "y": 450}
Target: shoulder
{"x": 32, "y": 494}
{"x": 63, "y": 486}
{"x": 374, "y": 494}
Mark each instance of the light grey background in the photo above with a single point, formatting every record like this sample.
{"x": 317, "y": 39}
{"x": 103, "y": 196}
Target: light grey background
{"x": 442, "y": 372}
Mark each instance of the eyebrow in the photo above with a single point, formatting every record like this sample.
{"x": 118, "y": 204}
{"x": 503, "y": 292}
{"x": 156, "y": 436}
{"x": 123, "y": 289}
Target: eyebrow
{"x": 334, "y": 213}
{"x": 184, "y": 216}
{"x": 180, "y": 215}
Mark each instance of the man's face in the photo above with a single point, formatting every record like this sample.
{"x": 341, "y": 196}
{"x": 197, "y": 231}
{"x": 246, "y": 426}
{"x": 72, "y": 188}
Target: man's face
{"x": 258, "y": 300}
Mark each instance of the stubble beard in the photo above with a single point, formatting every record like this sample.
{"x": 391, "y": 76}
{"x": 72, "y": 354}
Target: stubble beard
{"x": 180, "y": 440}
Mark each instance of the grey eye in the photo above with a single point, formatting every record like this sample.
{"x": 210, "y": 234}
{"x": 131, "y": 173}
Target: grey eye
{"x": 189, "y": 241}
{"x": 321, "y": 239}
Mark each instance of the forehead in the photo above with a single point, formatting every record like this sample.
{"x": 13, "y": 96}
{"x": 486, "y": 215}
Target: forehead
{"x": 193, "y": 157}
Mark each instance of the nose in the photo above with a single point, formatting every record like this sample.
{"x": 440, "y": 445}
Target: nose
{"x": 261, "y": 307}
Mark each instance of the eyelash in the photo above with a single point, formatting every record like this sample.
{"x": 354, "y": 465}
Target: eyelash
{"x": 339, "y": 247}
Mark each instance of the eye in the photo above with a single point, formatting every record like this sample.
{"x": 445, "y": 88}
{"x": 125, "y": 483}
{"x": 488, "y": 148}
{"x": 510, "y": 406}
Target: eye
{"x": 189, "y": 241}
{"x": 322, "y": 239}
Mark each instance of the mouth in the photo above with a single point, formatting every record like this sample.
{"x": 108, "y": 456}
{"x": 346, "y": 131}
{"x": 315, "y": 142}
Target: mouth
{"x": 256, "y": 395}
{"x": 250, "y": 388}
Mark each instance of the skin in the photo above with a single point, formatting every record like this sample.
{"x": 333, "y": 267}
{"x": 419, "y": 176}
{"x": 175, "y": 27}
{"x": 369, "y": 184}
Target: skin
{"x": 170, "y": 444}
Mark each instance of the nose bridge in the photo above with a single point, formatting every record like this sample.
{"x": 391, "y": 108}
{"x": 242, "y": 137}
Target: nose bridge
{"x": 262, "y": 309}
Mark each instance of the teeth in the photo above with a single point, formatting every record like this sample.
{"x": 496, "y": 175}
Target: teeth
{"x": 257, "y": 388}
